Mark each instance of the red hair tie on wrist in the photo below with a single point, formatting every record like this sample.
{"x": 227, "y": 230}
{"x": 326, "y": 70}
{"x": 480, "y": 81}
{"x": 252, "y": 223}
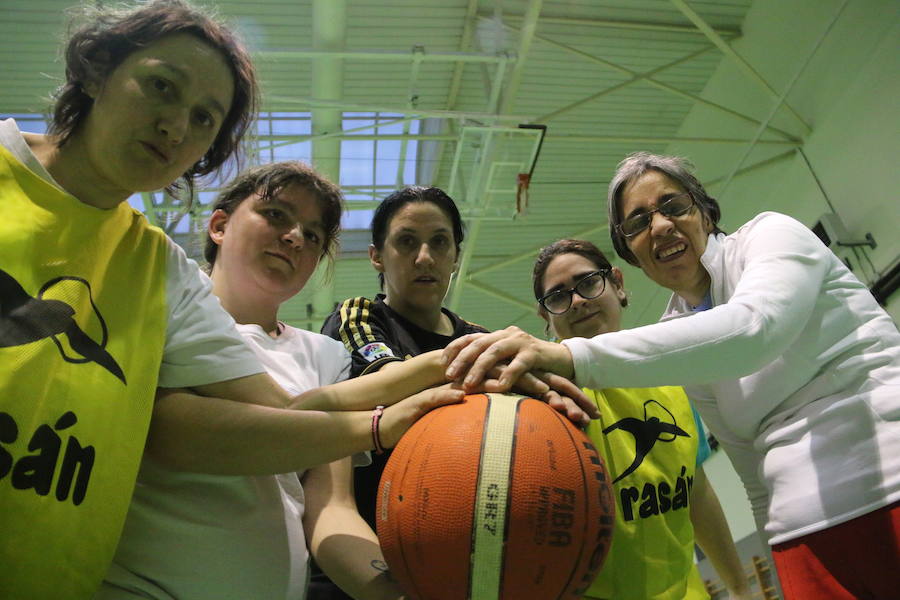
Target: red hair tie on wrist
{"x": 376, "y": 419}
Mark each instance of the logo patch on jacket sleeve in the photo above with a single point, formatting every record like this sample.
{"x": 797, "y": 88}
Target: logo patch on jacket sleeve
{"x": 374, "y": 351}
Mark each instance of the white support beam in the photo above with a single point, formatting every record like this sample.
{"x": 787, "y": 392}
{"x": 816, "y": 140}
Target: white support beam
{"x": 722, "y": 45}
{"x": 496, "y": 87}
{"x": 472, "y": 198}
{"x": 526, "y": 36}
{"x": 412, "y": 100}
{"x": 286, "y": 140}
{"x": 781, "y": 98}
{"x": 524, "y": 315}
{"x": 634, "y": 25}
{"x": 656, "y": 83}
{"x": 624, "y": 139}
{"x": 415, "y": 112}
{"x": 712, "y": 183}
{"x": 635, "y": 78}
{"x": 465, "y": 45}
{"x": 381, "y": 56}
{"x": 329, "y": 20}
{"x": 502, "y": 296}
{"x": 530, "y": 253}
{"x": 403, "y": 155}
{"x": 529, "y": 26}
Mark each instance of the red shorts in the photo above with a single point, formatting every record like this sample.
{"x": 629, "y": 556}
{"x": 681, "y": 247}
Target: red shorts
{"x": 859, "y": 559}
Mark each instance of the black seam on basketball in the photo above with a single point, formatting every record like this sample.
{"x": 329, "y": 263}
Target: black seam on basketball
{"x": 584, "y": 484}
{"x": 487, "y": 415}
{"x": 399, "y": 478}
{"x": 426, "y": 426}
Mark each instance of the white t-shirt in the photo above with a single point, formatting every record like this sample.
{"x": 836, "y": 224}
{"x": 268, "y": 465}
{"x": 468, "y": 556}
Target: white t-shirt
{"x": 192, "y": 536}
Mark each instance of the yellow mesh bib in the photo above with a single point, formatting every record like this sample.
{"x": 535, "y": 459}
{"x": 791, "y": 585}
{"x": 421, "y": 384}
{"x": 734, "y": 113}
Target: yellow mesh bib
{"x": 82, "y": 330}
{"x": 648, "y": 438}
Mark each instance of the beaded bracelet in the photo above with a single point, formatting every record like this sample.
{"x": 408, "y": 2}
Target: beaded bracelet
{"x": 376, "y": 419}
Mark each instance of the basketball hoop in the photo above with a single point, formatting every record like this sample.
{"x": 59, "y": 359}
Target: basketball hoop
{"x": 523, "y": 180}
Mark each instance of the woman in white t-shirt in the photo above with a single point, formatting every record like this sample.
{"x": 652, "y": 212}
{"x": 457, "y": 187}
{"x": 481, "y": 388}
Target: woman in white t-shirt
{"x": 199, "y": 536}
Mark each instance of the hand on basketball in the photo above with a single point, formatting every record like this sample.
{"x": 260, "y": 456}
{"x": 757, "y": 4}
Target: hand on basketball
{"x": 470, "y": 358}
{"x": 566, "y": 406}
{"x": 529, "y": 384}
{"x": 560, "y": 393}
{"x": 400, "y": 417}
{"x": 579, "y": 408}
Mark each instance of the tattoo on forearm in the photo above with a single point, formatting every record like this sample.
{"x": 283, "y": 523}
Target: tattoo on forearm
{"x": 380, "y": 565}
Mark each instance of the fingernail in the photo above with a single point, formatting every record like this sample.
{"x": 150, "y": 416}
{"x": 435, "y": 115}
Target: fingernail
{"x": 451, "y": 372}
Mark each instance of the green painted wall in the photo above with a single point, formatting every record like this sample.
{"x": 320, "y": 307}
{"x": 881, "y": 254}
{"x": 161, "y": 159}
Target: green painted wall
{"x": 847, "y": 94}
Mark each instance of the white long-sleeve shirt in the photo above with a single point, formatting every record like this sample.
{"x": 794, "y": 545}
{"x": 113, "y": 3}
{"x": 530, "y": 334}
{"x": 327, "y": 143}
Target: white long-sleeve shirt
{"x": 796, "y": 370}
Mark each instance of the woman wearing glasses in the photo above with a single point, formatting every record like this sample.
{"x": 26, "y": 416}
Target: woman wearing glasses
{"x": 652, "y": 442}
{"x": 793, "y": 365}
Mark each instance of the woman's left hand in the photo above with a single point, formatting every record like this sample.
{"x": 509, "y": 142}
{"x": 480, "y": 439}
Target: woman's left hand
{"x": 561, "y": 394}
{"x": 568, "y": 398}
{"x": 567, "y": 407}
{"x": 471, "y": 357}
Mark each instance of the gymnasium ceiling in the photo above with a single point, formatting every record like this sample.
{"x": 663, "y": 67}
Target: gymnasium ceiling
{"x": 451, "y": 83}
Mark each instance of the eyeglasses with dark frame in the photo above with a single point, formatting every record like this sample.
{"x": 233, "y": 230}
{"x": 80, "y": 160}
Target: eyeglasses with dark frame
{"x": 588, "y": 287}
{"x": 675, "y": 206}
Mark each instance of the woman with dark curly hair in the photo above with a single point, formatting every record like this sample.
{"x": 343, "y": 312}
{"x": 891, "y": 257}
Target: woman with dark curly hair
{"x": 98, "y": 309}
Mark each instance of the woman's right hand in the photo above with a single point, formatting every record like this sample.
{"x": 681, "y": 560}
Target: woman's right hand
{"x": 398, "y": 418}
{"x": 470, "y": 358}
{"x": 561, "y": 394}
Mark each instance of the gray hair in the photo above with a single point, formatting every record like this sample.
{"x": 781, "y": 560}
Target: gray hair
{"x": 676, "y": 168}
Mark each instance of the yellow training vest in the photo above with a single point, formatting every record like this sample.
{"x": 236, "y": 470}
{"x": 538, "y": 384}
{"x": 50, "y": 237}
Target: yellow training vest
{"x": 648, "y": 438}
{"x": 82, "y": 329}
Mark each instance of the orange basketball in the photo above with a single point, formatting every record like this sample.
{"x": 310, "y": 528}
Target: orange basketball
{"x": 497, "y": 498}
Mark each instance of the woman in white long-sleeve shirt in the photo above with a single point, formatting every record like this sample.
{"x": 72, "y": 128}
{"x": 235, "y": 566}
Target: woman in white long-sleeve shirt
{"x": 791, "y": 362}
